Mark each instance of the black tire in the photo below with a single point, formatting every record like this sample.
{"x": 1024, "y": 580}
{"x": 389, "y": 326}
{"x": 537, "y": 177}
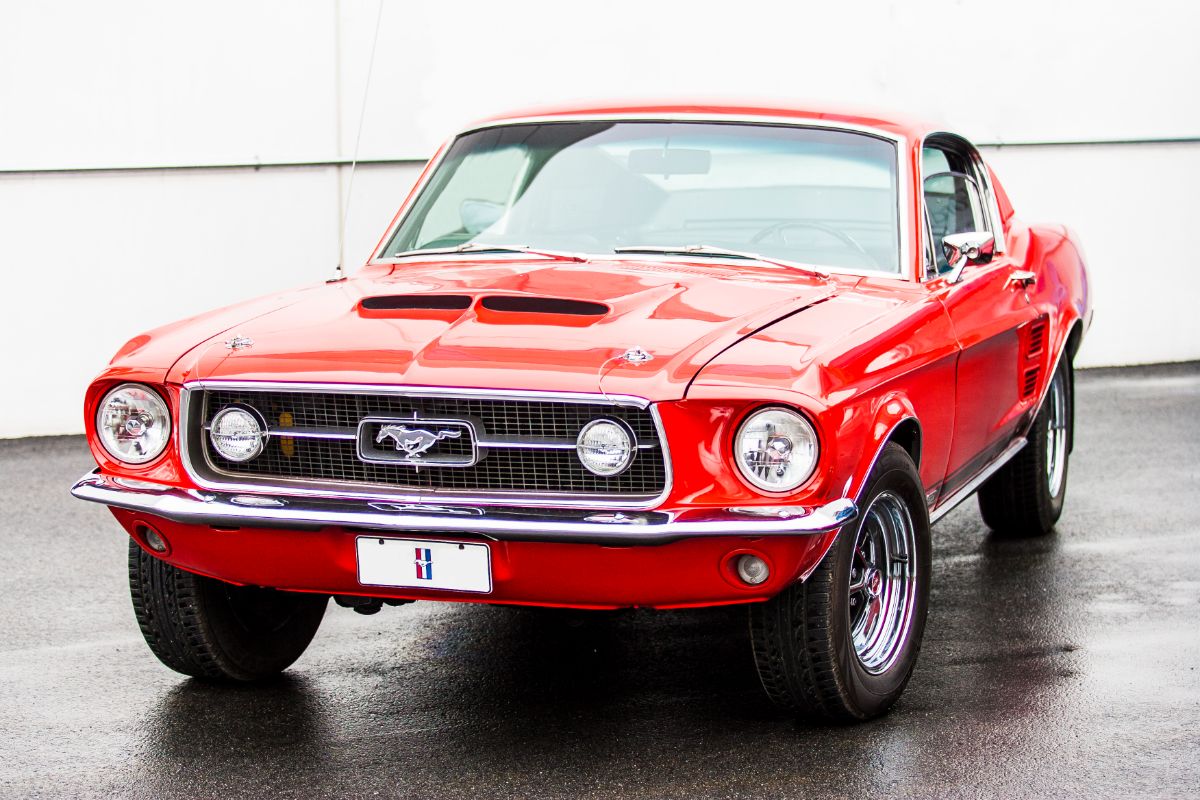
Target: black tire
{"x": 803, "y": 638}
{"x": 214, "y": 630}
{"x": 1019, "y": 501}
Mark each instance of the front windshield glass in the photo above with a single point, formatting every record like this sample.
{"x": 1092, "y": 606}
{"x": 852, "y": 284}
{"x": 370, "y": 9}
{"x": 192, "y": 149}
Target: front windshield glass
{"x": 819, "y": 197}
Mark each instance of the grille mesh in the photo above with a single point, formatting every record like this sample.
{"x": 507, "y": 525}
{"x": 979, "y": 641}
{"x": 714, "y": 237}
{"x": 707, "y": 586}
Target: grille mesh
{"x": 502, "y": 470}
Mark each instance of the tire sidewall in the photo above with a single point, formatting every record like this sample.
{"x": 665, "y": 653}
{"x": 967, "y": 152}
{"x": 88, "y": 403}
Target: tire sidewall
{"x": 252, "y": 652}
{"x": 870, "y": 693}
{"x": 1050, "y": 506}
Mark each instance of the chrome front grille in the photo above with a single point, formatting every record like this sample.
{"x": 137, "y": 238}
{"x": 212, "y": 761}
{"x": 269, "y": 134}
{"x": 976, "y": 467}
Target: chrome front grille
{"x": 525, "y": 445}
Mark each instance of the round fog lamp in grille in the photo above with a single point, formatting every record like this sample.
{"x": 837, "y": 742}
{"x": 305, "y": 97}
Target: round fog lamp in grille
{"x": 605, "y": 447}
{"x": 752, "y": 569}
{"x": 237, "y": 434}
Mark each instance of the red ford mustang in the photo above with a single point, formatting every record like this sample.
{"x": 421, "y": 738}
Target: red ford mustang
{"x": 604, "y": 358}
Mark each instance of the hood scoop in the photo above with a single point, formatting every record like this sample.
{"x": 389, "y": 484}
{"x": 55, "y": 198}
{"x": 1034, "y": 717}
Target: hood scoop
{"x": 512, "y": 309}
{"x": 417, "y": 302}
{"x": 498, "y": 309}
{"x": 518, "y": 304}
{"x": 446, "y": 307}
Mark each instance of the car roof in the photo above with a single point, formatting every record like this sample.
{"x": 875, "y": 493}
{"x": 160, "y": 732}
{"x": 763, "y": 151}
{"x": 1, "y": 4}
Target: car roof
{"x": 895, "y": 124}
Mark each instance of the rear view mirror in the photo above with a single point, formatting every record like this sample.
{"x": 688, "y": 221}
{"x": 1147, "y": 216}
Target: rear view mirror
{"x": 666, "y": 162}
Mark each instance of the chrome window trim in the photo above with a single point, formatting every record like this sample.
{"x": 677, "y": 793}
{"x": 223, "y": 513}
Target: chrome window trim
{"x": 903, "y": 174}
{"x": 314, "y": 488}
{"x": 633, "y": 259}
{"x": 984, "y": 181}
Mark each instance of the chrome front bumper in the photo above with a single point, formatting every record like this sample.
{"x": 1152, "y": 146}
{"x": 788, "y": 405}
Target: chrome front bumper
{"x": 234, "y": 510}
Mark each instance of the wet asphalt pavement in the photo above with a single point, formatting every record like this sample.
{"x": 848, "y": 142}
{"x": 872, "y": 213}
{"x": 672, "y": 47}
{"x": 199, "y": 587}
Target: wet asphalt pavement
{"x": 1060, "y": 666}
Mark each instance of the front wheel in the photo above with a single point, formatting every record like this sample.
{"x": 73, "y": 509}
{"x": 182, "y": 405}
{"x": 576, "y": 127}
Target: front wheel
{"x": 211, "y": 629}
{"x": 841, "y": 646}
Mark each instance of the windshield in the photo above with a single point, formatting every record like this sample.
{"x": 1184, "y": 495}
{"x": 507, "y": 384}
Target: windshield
{"x": 813, "y": 196}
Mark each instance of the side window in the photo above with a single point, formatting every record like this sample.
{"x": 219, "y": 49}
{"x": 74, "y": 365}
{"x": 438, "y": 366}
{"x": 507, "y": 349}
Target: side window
{"x": 952, "y": 197}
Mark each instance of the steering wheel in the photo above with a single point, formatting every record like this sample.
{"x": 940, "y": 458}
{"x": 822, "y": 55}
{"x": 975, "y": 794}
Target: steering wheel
{"x": 778, "y": 229}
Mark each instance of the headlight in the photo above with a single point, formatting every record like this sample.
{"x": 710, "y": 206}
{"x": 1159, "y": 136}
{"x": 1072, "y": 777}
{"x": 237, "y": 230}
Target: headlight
{"x": 134, "y": 424}
{"x": 237, "y": 434}
{"x": 605, "y": 447}
{"x": 776, "y": 449}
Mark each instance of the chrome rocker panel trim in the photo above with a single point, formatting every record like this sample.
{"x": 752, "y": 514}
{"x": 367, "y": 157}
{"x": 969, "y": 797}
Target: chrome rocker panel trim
{"x": 946, "y": 506}
{"x": 223, "y": 509}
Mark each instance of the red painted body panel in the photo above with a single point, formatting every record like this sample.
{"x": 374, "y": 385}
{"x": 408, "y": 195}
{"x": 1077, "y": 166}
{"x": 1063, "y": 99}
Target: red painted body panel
{"x": 859, "y": 355}
{"x": 684, "y": 314}
{"x": 691, "y": 572}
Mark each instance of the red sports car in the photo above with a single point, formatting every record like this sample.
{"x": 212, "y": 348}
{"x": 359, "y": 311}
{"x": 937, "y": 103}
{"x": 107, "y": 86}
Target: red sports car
{"x": 612, "y": 357}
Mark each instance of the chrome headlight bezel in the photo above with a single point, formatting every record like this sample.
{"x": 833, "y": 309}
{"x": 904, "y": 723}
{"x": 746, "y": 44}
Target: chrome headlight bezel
{"x": 809, "y": 448}
{"x": 153, "y": 408}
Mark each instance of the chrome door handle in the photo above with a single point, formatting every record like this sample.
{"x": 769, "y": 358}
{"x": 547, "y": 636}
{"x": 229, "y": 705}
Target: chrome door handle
{"x": 1021, "y": 279}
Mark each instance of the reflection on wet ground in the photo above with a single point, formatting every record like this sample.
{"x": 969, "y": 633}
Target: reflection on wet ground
{"x": 1065, "y": 665}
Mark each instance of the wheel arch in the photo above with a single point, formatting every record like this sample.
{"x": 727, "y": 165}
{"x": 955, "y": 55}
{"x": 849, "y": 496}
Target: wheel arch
{"x": 895, "y": 421}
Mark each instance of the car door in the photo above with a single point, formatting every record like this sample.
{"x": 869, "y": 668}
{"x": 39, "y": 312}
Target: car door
{"x": 987, "y": 305}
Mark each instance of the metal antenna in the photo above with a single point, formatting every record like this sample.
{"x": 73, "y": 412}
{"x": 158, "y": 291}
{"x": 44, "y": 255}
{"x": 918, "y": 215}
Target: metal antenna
{"x": 340, "y": 272}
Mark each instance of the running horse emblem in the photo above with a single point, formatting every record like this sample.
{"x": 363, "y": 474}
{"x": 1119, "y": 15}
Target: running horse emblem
{"x": 413, "y": 441}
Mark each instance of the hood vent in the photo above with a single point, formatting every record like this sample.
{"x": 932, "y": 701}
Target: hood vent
{"x": 543, "y": 305}
{"x": 417, "y": 302}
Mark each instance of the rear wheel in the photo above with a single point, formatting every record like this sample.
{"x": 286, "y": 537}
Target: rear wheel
{"x": 1025, "y": 498}
{"x": 841, "y": 646}
{"x": 210, "y": 629}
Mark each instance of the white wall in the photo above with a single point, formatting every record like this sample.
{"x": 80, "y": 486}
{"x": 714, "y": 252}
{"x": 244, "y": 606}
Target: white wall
{"x": 92, "y": 252}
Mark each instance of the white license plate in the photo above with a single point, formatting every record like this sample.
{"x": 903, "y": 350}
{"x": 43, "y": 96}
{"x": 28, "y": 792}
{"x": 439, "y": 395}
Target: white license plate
{"x": 422, "y": 564}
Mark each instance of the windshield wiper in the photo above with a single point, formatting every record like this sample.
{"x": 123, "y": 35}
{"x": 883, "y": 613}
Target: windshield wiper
{"x": 482, "y": 247}
{"x": 718, "y": 252}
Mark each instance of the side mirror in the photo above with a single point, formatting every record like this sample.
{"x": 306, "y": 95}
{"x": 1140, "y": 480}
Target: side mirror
{"x": 972, "y": 247}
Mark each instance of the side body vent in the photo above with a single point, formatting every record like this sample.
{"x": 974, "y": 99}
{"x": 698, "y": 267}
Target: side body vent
{"x": 1035, "y": 352}
{"x": 1030, "y": 382}
{"x": 1037, "y": 338}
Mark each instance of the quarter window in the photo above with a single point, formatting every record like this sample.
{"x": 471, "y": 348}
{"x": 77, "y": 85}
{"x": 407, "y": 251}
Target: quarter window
{"x": 952, "y": 197}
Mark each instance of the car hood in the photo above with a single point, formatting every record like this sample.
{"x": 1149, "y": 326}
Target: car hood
{"x": 530, "y": 324}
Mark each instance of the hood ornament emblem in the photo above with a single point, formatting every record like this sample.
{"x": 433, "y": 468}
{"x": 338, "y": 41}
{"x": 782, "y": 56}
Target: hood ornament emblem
{"x": 239, "y": 343}
{"x": 636, "y": 355}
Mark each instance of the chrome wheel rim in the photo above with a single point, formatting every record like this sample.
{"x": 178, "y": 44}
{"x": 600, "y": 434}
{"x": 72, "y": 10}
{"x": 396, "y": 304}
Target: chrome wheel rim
{"x": 1056, "y": 436}
{"x": 883, "y": 588}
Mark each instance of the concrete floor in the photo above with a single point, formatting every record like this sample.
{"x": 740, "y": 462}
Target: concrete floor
{"x": 1061, "y": 666}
